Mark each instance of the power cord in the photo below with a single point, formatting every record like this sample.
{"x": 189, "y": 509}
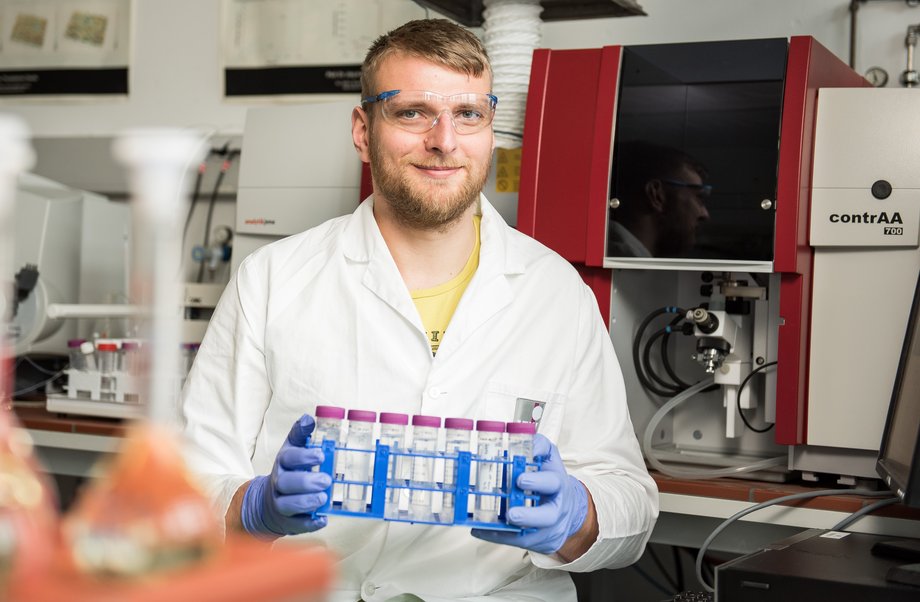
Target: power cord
{"x": 644, "y": 380}
{"x": 196, "y": 191}
{"x": 738, "y": 398}
{"x": 229, "y": 156}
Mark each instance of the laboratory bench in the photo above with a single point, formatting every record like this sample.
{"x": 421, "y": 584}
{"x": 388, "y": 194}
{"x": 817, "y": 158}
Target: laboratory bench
{"x": 690, "y": 509}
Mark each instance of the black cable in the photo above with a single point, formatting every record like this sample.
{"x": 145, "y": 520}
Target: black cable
{"x": 666, "y": 361}
{"x": 738, "y": 398}
{"x": 643, "y": 379}
{"x": 647, "y": 361}
{"x": 679, "y": 567}
{"x": 852, "y": 518}
{"x": 667, "y": 575}
{"x": 202, "y": 167}
{"x": 224, "y": 168}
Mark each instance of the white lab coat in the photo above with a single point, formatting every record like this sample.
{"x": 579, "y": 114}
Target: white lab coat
{"x": 323, "y": 317}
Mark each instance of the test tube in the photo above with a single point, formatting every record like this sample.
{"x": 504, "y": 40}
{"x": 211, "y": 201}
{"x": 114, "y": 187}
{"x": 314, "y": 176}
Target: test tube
{"x": 329, "y": 427}
{"x": 77, "y": 359}
{"x": 358, "y": 463}
{"x": 488, "y": 474}
{"x": 457, "y": 433}
{"x": 107, "y": 359}
{"x": 424, "y": 441}
{"x": 520, "y": 443}
{"x": 189, "y": 351}
{"x": 89, "y": 354}
{"x": 130, "y": 360}
{"x": 328, "y": 424}
{"x": 393, "y": 434}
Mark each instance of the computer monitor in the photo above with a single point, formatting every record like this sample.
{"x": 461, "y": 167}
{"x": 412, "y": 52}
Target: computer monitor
{"x": 899, "y": 455}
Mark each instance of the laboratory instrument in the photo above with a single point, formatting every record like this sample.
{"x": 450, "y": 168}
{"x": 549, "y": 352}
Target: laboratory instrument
{"x": 277, "y": 197}
{"x": 797, "y": 190}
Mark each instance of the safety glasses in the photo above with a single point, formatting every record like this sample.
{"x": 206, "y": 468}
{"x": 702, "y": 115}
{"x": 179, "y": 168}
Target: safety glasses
{"x": 418, "y": 111}
{"x": 704, "y": 190}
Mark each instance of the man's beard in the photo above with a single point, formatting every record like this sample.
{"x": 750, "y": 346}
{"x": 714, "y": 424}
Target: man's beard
{"x": 429, "y": 209}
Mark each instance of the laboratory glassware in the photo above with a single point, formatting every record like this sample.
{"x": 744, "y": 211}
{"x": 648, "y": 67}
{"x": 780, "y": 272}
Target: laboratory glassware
{"x": 77, "y": 358}
{"x": 329, "y": 427}
{"x": 489, "y": 454}
{"x": 424, "y": 442}
{"x": 520, "y": 443}
{"x": 107, "y": 359}
{"x": 457, "y": 435}
{"x": 358, "y": 456}
{"x": 393, "y": 435}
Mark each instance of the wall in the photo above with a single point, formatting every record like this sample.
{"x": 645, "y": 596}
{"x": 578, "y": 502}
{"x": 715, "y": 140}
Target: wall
{"x": 175, "y": 76}
{"x": 176, "y": 79}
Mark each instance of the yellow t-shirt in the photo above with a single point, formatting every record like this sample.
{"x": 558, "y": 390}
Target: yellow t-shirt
{"x": 436, "y": 305}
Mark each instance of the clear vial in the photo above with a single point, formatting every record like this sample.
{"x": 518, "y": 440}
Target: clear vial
{"x": 89, "y": 354}
{"x": 520, "y": 443}
{"x": 457, "y": 434}
{"x": 77, "y": 359}
{"x": 488, "y": 474}
{"x": 130, "y": 358}
{"x": 424, "y": 440}
{"x": 329, "y": 426}
{"x": 393, "y": 434}
{"x": 189, "y": 351}
{"x": 358, "y": 463}
{"x": 107, "y": 359}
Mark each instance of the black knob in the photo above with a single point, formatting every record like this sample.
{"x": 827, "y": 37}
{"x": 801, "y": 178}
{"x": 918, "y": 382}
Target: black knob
{"x": 881, "y": 189}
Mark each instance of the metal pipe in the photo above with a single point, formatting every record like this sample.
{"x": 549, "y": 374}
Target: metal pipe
{"x": 92, "y": 310}
{"x": 854, "y": 9}
{"x": 909, "y": 77}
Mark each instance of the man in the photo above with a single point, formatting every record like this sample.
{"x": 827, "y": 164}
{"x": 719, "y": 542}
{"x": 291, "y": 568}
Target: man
{"x": 344, "y": 314}
{"x": 662, "y": 201}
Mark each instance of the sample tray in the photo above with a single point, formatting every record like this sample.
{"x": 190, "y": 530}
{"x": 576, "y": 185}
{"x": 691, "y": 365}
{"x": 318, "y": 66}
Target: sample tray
{"x": 464, "y": 493}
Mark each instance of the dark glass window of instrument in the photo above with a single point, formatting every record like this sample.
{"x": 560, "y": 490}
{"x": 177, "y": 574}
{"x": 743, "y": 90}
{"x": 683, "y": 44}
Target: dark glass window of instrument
{"x": 720, "y": 103}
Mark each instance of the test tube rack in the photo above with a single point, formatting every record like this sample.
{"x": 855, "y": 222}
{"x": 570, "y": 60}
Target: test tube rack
{"x": 461, "y": 515}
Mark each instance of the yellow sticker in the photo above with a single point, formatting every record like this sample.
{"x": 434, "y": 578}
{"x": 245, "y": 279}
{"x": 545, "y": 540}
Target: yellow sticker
{"x": 507, "y": 169}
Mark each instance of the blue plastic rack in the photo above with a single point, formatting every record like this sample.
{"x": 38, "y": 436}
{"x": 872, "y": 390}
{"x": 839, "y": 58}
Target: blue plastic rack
{"x": 464, "y": 493}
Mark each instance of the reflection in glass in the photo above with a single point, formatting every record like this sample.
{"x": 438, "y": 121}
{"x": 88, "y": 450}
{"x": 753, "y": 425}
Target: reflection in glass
{"x": 662, "y": 202}
{"x": 718, "y": 104}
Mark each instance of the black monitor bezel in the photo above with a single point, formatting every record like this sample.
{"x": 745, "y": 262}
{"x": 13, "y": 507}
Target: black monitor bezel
{"x": 908, "y": 490}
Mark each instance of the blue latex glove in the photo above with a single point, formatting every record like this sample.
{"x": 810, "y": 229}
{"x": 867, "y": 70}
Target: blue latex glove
{"x": 560, "y": 513}
{"x": 281, "y": 503}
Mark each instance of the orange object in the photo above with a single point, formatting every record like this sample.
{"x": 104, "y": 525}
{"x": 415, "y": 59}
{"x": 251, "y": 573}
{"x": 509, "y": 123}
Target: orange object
{"x": 243, "y": 570}
{"x": 28, "y": 515}
{"x": 145, "y": 515}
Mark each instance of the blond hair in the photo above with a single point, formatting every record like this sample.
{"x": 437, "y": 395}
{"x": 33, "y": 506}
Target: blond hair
{"x": 437, "y": 40}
